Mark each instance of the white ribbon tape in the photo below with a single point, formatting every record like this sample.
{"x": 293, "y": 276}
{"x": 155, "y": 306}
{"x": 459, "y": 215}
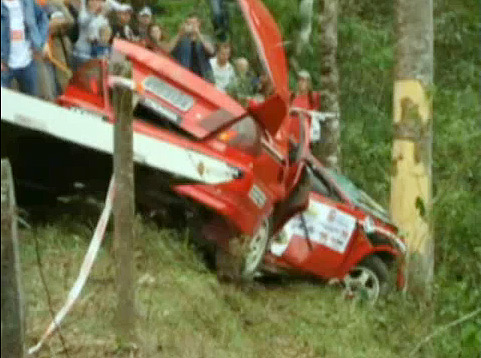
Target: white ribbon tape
{"x": 315, "y": 115}
{"x": 92, "y": 251}
{"x": 122, "y": 82}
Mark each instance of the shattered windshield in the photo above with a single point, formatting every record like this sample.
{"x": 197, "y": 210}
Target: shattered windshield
{"x": 359, "y": 197}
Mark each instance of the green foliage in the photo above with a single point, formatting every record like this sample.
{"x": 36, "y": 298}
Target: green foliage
{"x": 185, "y": 312}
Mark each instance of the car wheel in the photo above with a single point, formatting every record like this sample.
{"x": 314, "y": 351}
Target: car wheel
{"x": 243, "y": 258}
{"x": 368, "y": 280}
{"x": 256, "y": 249}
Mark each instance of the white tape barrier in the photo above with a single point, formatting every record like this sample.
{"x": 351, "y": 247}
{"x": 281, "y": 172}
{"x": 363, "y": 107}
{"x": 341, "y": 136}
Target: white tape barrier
{"x": 315, "y": 115}
{"x": 122, "y": 82}
{"x": 317, "y": 118}
{"x": 84, "y": 270}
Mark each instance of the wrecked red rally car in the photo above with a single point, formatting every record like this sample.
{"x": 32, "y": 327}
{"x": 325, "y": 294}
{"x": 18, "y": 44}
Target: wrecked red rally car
{"x": 240, "y": 171}
{"x": 343, "y": 235}
{"x": 194, "y": 146}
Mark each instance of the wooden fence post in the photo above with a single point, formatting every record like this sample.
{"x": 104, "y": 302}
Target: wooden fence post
{"x": 124, "y": 205}
{"x": 12, "y": 334}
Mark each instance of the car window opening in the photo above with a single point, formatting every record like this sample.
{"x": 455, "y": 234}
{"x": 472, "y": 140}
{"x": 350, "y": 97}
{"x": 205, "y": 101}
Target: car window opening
{"x": 146, "y": 114}
{"x": 322, "y": 186}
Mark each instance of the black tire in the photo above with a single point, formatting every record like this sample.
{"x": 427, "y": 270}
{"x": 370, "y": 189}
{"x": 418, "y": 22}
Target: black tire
{"x": 244, "y": 257}
{"x": 369, "y": 280}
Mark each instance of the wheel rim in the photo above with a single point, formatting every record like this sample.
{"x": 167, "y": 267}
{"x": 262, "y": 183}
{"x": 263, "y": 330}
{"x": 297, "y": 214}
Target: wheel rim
{"x": 362, "y": 282}
{"x": 256, "y": 248}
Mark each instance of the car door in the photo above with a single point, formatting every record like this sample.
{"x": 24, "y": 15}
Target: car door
{"x": 319, "y": 239}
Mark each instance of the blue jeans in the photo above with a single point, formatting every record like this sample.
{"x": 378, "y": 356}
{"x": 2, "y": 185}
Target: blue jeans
{"x": 25, "y": 76}
{"x": 220, "y": 19}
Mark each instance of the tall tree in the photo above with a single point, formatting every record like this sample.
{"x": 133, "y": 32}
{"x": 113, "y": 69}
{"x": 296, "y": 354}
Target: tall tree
{"x": 411, "y": 180}
{"x": 306, "y": 12}
{"x": 329, "y": 150}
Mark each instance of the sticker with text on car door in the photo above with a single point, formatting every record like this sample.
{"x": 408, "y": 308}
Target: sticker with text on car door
{"x": 325, "y": 225}
{"x": 257, "y": 196}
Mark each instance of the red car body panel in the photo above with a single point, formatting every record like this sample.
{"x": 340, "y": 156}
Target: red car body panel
{"x": 208, "y": 99}
{"x": 229, "y": 199}
{"x": 207, "y": 113}
{"x": 270, "y": 45}
{"x": 305, "y": 255}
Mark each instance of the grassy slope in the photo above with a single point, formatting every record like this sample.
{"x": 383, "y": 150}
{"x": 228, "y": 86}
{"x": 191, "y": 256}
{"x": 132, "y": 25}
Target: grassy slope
{"x": 184, "y": 312}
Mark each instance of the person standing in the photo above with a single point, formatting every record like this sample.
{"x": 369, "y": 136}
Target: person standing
{"x": 306, "y": 99}
{"x": 224, "y": 74}
{"x": 156, "y": 39}
{"x": 24, "y": 33}
{"x": 53, "y": 71}
{"x": 123, "y": 29}
{"x": 102, "y": 47}
{"x": 144, "y": 20}
{"x": 220, "y": 19}
{"x": 91, "y": 19}
{"x": 191, "y": 48}
{"x": 74, "y": 7}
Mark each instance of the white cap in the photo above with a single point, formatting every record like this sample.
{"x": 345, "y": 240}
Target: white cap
{"x": 145, "y": 11}
{"x": 125, "y": 8}
{"x": 57, "y": 15}
{"x": 304, "y": 74}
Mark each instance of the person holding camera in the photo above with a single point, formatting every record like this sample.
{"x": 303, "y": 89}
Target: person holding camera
{"x": 191, "y": 48}
{"x": 123, "y": 29}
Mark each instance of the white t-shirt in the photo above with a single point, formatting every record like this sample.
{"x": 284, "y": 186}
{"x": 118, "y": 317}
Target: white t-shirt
{"x": 20, "y": 50}
{"x": 224, "y": 75}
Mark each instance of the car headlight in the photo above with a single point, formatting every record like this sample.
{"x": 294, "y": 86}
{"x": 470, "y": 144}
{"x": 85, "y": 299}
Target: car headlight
{"x": 368, "y": 225}
{"x": 400, "y": 244}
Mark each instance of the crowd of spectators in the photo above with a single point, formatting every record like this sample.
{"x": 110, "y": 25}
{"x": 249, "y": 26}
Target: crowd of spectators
{"x": 45, "y": 41}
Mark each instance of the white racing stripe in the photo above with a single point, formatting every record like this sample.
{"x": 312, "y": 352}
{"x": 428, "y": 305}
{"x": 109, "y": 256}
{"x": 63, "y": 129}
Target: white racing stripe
{"x": 92, "y": 251}
{"x": 90, "y": 130}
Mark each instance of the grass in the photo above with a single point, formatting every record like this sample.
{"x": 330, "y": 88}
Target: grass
{"x": 183, "y": 311}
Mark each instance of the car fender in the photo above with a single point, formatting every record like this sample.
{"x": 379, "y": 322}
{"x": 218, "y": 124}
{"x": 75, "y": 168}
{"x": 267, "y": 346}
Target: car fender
{"x": 364, "y": 251}
{"x": 237, "y": 208}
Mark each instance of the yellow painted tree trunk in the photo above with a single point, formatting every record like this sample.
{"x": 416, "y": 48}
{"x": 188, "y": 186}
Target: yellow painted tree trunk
{"x": 411, "y": 181}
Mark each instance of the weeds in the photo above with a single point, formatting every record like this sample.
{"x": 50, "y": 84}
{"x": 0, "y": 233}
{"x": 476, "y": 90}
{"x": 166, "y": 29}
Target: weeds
{"x": 184, "y": 312}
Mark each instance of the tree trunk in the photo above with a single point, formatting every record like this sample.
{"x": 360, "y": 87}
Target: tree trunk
{"x": 306, "y": 12}
{"x": 411, "y": 181}
{"x": 329, "y": 150}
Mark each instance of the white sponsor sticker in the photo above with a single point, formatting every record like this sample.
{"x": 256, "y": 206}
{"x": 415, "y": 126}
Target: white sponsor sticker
{"x": 325, "y": 225}
{"x": 168, "y": 93}
{"x": 257, "y": 196}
